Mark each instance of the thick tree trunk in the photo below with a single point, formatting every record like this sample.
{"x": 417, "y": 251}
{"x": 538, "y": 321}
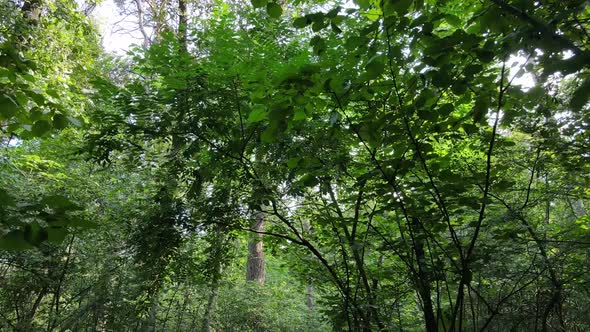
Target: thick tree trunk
{"x": 255, "y": 270}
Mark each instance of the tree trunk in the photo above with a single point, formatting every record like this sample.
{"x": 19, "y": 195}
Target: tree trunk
{"x": 180, "y": 314}
{"x": 309, "y": 297}
{"x": 182, "y": 24}
{"x": 152, "y": 318}
{"x": 255, "y": 270}
{"x": 141, "y": 24}
{"x": 27, "y": 323}
{"x": 211, "y": 305}
{"x": 423, "y": 279}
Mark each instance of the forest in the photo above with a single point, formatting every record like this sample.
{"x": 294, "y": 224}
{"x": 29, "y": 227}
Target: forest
{"x": 295, "y": 165}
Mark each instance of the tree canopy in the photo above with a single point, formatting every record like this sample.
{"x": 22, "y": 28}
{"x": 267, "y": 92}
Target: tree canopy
{"x": 367, "y": 165}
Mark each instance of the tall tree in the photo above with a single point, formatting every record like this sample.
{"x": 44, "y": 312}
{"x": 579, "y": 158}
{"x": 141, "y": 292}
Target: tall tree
{"x": 255, "y": 267}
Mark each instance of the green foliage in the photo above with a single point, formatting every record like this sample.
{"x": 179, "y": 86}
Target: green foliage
{"x": 44, "y": 79}
{"x": 279, "y": 307}
{"x": 406, "y": 181}
{"x": 274, "y": 10}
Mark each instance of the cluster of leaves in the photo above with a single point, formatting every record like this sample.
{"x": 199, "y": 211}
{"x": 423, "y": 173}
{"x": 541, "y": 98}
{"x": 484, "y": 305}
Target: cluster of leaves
{"x": 404, "y": 177}
{"x": 42, "y": 91}
{"x": 44, "y": 79}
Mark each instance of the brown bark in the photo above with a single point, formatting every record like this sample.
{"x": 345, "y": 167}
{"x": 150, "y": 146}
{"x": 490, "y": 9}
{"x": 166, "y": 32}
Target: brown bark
{"x": 255, "y": 269}
{"x": 182, "y": 24}
{"x": 211, "y": 305}
{"x": 423, "y": 279}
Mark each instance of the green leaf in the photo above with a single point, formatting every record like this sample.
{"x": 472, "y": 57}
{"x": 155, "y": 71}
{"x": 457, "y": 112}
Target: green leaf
{"x": 369, "y": 133}
{"x": 301, "y": 22}
{"x": 427, "y": 114}
{"x": 309, "y": 180}
{"x": 446, "y": 109}
{"x": 425, "y": 99}
{"x": 269, "y": 135}
{"x": 38, "y": 98}
{"x": 318, "y": 44}
{"x": 353, "y": 43}
{"x": 8, "y": 107}
{"x": 453, "y": 20}
{"x": 336, "y": 85}
{"x": 485, "y": 55}
{"x": 14, "y": 240}
{"x": 459, "y": 87}
{"x": 316, "y": 17}
{"x": 258, "y": 114}
{"x": 480, "y": 109}
{"x": 581, "y": 95}
{"x": 293, "y": 162}
{"x": 441, "y": 78}
{"x": 472, "y": 69}
{"x": 335, "y": 28}
{"x": 60, "y": 121}
{"x": 40, "y": 128}
{"x": 259, "y": 3}
{"x": 175, "y": 83}
{"x": 274, "y": 10}
{"x": 35, "y": 234}
{"x": 469, "y": 128}
{"x": 504, "y": 185}
{"x": 333, "y": 12}
{"x": 56, "y": 234}
{"x": 363, "y": 4}
{"x": 299, "y": 115}
{"x": 53, "y": 93}
{"x": 318, "y": 25}
{"x": 6, "y": 199}
{"x": 427, "y": 28}
{"x": 375, "y": 69}
{"x": 401, "y": 6}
